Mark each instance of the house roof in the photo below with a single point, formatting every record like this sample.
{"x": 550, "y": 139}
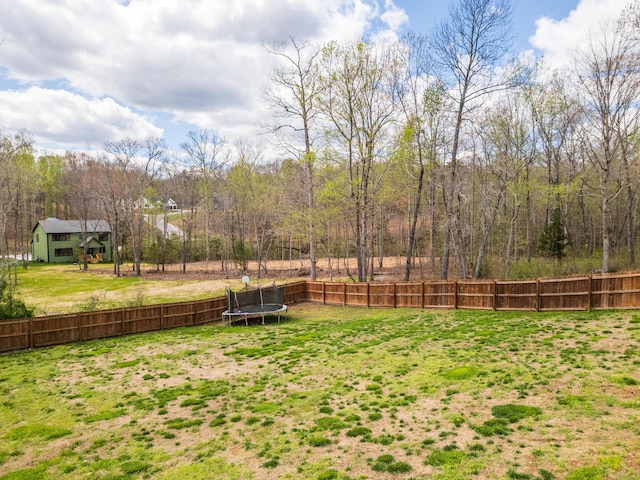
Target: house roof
{"x": 89, "y": 240}
{"x": 55, "y": 225}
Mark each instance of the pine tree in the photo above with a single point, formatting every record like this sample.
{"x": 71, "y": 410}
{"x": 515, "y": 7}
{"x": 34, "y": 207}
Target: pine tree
{"x": 552, "y": 240}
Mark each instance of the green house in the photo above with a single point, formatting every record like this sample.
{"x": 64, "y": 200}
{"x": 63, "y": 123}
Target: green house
{"x": 61, "y": 241}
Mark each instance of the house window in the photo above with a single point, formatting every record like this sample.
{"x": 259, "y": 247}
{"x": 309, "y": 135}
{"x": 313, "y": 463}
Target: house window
{"x": 63, "y": 252}
{"x": 60, "y": 237}
{"x": 37, "y": 238}
{"x": 103, "y": 237}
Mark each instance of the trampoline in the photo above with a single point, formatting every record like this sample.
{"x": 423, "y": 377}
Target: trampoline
{"x": 255, "y": 304}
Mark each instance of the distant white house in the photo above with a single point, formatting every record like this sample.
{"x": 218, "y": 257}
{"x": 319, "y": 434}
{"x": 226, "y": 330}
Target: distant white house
{"x": 168, "y": 204}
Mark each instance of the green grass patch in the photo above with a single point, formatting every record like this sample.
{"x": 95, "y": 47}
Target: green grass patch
{"x": 37, "y": 430}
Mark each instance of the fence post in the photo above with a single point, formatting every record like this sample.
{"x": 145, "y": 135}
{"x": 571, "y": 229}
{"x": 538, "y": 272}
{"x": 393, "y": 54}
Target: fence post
{"x": 162, "y": 316}
{"x": 537, "y": 294}
{"x": 344, "y": 294}
{"x": 368, "y": 295}
{"x": 455, "y": 295}
{"x": 79, "y": 323}
{"x": 395, "y": 295}
{"x": 324, "y": 293}
{"x": 495, "y": 294}
{"x": 422, "y": 294}
{"x": 590, "y": 292}
{"x": 195, "y": 313}
{"x": 30, "y": 333}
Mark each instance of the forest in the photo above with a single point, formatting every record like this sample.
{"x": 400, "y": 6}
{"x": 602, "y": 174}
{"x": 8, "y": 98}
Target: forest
{"x": 440, "y": 148}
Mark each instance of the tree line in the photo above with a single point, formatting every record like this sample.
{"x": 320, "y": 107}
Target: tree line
{"x": 437, "y": 147}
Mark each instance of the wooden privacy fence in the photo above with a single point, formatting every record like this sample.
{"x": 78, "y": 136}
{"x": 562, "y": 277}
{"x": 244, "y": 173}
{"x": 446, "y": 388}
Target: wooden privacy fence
{"x": 75, "y": 327}
{"x": 582, "y": 293}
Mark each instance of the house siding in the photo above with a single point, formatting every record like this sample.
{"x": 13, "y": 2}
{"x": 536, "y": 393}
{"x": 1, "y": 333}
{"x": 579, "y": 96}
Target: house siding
{"x": 64, "y": 249}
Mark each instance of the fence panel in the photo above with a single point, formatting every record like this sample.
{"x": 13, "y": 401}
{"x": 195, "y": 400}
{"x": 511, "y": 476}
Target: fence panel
{"x": 630, "y": 291}
{"x": 101, "y": 324}
{"x": 335, "y": 294}
{"x": 409, "y": 294}
{"x": 356, "y": 294}
{"x": 517, "y": 295}
{"x": 477, "y": 295}
{"x": 296, "y": 292}
{"x": 178, "y": 314}
{"x": 14, "y": 335}
{"x": 381, "y": 294}
{"x": 54, "y": 330}
{"x": 142, "y": 319}
{"x": 439, "y": 295}
{"x": 210, "y": 310}
{"x": 564, "y": 294}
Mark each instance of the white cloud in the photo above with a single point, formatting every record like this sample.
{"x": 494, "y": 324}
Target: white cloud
{"x": 202, "y": 62}
{"x": 393, "y": 16}
{"x": 68, "y": 119}
{"x": 558, "y": 39}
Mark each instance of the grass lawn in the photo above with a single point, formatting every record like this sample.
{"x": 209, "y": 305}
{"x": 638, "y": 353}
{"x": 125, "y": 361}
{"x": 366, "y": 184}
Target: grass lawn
{"x": 56, "y": 289}
{"x": 334, "y": 393}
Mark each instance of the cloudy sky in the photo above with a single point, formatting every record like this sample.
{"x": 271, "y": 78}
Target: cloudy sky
{"x": 77, "y": 73}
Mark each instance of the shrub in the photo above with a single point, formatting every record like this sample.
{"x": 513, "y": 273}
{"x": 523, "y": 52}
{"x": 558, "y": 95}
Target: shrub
{"x": 10, "y": 305}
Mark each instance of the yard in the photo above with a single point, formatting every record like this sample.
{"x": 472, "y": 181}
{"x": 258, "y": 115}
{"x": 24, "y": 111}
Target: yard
{"x": 334, "y": 393}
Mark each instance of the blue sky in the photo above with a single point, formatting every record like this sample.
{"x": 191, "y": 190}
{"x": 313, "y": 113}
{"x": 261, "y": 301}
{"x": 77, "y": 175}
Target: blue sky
{"x": 77, "y": 73}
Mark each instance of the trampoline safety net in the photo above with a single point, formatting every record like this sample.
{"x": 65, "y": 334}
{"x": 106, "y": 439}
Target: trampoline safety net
{"x": 244, "y": 300}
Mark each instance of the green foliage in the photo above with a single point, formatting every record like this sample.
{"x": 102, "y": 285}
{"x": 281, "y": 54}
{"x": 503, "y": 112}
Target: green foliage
{"x": 552, "y": 240}
{"x": 11, "y": 306}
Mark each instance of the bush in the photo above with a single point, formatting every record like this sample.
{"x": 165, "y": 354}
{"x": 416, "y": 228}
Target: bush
{"x": 10, "y": 305}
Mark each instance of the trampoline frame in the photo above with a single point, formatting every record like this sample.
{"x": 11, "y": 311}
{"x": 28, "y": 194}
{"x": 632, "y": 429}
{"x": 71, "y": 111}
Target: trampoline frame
{"x": 257, "y": 308}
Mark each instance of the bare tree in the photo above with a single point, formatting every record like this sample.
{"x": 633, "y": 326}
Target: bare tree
{"x": 467, "y": 47}
{"x": 81, "y": 175}
{"x": 204, "y": 151}
{"x": 505, "y": 151}
{"x": 424, "y": 103}
{"x": 609, "y": 84}
{"x": 17, "y": 179}
{"x": 358, "y": 101}
{"x": 293, "y": 93}
{"x": 140, "y": 162}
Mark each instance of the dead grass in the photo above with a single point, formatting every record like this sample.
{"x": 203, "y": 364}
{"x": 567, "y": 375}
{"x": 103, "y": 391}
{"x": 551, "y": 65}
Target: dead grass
{"x": 432, "y": 378}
